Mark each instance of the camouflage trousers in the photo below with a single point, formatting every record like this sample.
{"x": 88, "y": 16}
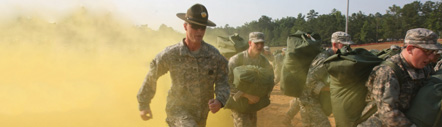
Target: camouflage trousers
{"x": 244, "y": 119}
{"x": 186, "y": 120}
{"x": 373, "y": 120}
{"x": 312, "y": 114}
{"x": 294, "y": 108}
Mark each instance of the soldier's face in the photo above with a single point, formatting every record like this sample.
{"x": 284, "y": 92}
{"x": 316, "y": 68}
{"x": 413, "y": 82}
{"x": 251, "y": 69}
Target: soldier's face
{"x": 257, "y": 47}
{"x": 336, "y": 46}
{"x": 420, "y": 57}
{"x": 194, "y": 33}
{"x": 340, "y": 45}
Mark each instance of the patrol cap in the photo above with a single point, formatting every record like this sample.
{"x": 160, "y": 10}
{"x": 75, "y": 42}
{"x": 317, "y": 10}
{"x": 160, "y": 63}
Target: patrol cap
{"x": 341, "y": 37}
{"x": 197, "y": 14}
{"x": 267, "y": 48}
{"x": 422, "y": 37}
{"x": 256, "y": 37}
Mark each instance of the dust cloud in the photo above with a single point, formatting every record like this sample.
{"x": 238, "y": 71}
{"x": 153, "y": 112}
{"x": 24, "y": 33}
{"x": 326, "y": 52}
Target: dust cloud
{"x": 83, "y": 70}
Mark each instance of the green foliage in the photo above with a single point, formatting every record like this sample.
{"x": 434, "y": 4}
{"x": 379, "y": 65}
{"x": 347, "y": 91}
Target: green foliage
{"x": 363, "y": 28}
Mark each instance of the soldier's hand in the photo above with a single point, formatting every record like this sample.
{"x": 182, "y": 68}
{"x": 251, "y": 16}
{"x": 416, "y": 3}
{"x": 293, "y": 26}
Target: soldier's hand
{"x": 214, "y": 105}
{"x": 146, "y": 114}
{"x": 252, "y": 98}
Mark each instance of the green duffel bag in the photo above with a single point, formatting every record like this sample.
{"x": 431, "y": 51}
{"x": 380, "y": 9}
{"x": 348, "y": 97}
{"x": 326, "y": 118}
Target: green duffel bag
{"x": 387, "y": 53}
{"x": 253, "y": 80}
{"x": 302, "y": 48}
{"x": 425, "y": 108}
{"x": 242, "y": 104}
{"x": 229, "y": 46}
{"x": 325, "y": 100}
{"x": 349, "y": 71}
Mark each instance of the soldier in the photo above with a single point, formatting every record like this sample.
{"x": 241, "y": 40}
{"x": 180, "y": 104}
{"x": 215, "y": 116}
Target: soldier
{"x": 279, "y": 58}
{"x": 267, "y": 54}
{"x": 251, "y": 56}
{"x": 290, "y": 114}
{"x": 194, "y": 66}
{"x": 294, "y": 104}
{"x": 312, "y": 114}
{"x": 392, "y": 94}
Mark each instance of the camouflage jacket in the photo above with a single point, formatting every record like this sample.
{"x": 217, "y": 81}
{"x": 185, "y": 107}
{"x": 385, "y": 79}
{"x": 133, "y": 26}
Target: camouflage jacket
{"x": 279, "y": 59}
{"x": 317, "y": 76}
{"x": 392, "y": 94}
{"x": 193, "y": 78}
{"x": 277, "y": 66}
{"x": 269, "y": 57}
{"x": 438, "y": 65}
{"x": 243, "y": 58}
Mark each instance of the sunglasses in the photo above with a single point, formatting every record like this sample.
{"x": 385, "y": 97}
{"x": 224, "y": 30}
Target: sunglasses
{"x": 196, "y": 27}
{"x": 427, "y": 51}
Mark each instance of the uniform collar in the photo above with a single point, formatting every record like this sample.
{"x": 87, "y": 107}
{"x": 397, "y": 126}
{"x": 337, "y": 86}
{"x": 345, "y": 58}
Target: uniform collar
{"x": 414, "y": 73}
{"x": 246, "y": 54}
{"x": 184, "y": 51}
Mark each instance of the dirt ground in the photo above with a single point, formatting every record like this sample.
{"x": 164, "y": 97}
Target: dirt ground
{"x": 272, "y": 115}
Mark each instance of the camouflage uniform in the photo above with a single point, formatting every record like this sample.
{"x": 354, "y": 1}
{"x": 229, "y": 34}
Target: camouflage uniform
{"x": 193, "y": 78}
{"x": 245, "y": 119}
{"x": 391, "y": 97}
{"x": 311, "y": 110}
{"x": 268, "y": 55}
{"x": 294, "y": 108}
{"x": 438, "y": 65}
{"x": 279, "y": 59}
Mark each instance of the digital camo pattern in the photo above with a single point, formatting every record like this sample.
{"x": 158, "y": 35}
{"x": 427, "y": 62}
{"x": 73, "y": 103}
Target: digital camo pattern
{"x": 294, "y": 108}
{"x": 311, "y": 111}
{"x": 244, "y": 119}
{"x": 438, "y": 65}
{"x": 193, "y": 78}
{"x": 277, "y": 63}
{"x": 391, "y": 97}
{"x": 242, "y": 58}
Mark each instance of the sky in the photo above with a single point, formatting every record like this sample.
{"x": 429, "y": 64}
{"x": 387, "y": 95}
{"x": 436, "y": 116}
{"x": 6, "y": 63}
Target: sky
{"x": 222, "y": 12}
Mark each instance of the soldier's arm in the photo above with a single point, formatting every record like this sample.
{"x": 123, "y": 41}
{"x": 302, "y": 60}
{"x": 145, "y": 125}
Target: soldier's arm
{"x": 158, "y": 67}
{"x": 386, "y": 91}
{"x": 233, "y": 62}
{"x": 222, "y": 89}
{"x": 231, "y": 65}
{"x": 316, "y": 73}
{"x": 270, "y": 69}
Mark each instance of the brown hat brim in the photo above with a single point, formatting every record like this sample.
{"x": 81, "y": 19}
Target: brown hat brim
{"x": 183, "y": 17}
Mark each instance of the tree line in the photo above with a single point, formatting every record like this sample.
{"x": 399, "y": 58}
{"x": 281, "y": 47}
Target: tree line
{"x": 363, "y": 28}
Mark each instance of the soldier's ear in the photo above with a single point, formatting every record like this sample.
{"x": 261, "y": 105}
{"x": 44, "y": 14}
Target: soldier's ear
{"x": 409, "y": 49}
{"x": 335, "y": 45}
{"x": 185, "y": 26}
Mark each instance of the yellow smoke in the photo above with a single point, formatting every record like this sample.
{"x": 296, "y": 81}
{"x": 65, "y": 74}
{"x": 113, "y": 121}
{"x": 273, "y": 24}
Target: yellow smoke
{"x": 83, "y": 70}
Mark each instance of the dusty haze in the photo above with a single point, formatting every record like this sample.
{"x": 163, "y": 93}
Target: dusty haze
{"x": 83, "y": 70}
